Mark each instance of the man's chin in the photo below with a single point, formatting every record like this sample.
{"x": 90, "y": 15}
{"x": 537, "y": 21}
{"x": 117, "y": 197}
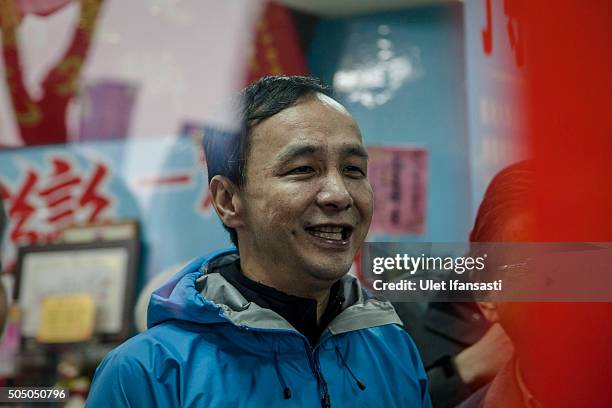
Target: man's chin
{"x": 329, "y": 271}
{"x": 325, "y": 264}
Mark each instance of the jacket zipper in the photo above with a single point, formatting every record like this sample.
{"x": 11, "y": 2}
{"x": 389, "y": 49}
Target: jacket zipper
{"x": 313, "y": 362}
{"x": 325, "y": 402}
{"x": 321, "y": 383}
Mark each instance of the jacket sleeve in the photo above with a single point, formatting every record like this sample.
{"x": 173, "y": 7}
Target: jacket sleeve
{"x": 123, "y": 381}
{"x": 426, "y": 398}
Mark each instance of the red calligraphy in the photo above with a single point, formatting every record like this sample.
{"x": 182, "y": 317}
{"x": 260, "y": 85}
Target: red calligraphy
{"x": 43, "y": 203}
{"x": 514, "y": 10}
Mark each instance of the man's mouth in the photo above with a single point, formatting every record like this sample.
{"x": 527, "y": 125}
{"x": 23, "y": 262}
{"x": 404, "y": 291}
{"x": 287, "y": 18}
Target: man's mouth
{"x": 332, "y": 233}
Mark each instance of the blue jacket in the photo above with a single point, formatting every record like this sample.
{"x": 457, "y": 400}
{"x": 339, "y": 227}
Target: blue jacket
{"x": 206, "y": 346}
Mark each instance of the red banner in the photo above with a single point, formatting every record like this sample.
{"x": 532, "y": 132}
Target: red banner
{"x": 43, "y": 120}
{"x": 276, "y": 49}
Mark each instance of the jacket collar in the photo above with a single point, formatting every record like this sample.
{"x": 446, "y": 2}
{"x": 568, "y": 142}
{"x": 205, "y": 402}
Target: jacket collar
{"x": 359, "y": 310}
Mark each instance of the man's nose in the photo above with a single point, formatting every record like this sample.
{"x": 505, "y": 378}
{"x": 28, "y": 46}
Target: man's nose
{"x": 333, "y": 194}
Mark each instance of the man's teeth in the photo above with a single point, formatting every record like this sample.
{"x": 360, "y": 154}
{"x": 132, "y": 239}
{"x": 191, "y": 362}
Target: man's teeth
{"x": 336, "y": 236}
{"x": 334, "y": 233}
{"x": 328, "y": 229}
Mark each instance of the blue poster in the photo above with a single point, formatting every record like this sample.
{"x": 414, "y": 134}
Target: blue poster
{"x": 160, "y": 182}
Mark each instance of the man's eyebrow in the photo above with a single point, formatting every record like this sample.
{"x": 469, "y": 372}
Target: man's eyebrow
{"x": 297, "y": 150}
{"x": 355, "y": 150}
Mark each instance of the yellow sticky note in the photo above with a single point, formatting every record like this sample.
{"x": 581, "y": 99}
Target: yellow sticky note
{"x": 66, "y": 319}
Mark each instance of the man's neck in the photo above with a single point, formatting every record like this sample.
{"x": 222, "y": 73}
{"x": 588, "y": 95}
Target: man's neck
{"x": 305, "y": 315}
{"x": 321, "y": 306}
{"x": 283, "y": 281}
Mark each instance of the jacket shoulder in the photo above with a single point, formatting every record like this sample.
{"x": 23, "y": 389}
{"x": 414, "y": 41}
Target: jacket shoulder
{"x": 127, "y": 375}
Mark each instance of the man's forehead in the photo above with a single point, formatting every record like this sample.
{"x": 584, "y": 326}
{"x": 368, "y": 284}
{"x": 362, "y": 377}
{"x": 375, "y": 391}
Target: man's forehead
{"x": 310, "y": 110}
{"x": 317, "y": 120}
{"x": 331, "y": 102}
{"x": 311, "y": 148}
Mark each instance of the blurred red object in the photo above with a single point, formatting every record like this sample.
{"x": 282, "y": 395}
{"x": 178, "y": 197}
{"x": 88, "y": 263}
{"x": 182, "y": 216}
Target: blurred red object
{"x": 569, "y": 78}
{"x": 276, "y": 49}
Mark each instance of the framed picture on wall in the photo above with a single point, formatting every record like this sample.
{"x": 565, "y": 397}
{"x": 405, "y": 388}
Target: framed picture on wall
{"x": 105, "y": 270}
{"x": 106, "y": 231}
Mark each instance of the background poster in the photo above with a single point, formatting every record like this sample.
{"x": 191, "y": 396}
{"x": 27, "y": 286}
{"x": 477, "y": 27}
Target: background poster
{"x": 399, "y": 180}
{"x": 106, "y": 109}
{"x": 184, "y": 57}
{"x": 161, "y": 182}
{"x": 99, "y": 273}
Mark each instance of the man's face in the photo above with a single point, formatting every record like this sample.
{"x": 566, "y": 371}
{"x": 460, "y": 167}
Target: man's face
{"x": 307, "y": 204}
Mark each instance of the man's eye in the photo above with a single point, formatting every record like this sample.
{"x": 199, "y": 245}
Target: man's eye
{"x": 354, "y": 170}
{"x": 302, "y": 170}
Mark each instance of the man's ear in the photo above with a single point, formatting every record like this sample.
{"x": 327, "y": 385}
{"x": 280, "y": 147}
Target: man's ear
{"x": 490, "y": 311}
{"x": 226, "y": 200}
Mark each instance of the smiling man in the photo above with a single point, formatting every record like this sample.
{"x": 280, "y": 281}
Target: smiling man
{"x": 276, "y": 321}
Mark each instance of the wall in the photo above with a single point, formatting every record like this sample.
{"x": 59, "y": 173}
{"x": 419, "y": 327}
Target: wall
{"x": 401, "y": 75}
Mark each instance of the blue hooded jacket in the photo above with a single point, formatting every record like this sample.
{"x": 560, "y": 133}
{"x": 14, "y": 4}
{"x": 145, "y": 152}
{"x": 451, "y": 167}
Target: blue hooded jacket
{"x": 206, "y": 346}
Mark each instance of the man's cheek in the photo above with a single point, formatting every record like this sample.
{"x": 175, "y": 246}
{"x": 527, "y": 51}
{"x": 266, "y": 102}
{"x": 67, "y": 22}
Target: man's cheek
{"x": 277, "y": 211}
{"x": 366, "y": 198}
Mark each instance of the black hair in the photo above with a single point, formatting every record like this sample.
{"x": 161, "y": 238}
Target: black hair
{"x": 508, "y": 194}
{"x": 227, "y": 152}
